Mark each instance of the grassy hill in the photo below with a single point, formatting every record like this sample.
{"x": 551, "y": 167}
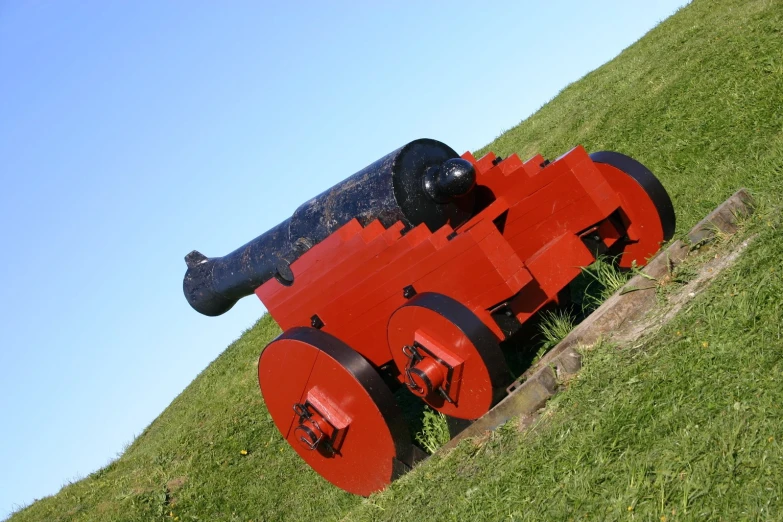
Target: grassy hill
{"x": 686, "y": 425}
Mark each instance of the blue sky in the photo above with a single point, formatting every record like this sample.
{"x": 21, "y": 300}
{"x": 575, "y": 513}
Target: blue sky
{"x": 132, "y": 133}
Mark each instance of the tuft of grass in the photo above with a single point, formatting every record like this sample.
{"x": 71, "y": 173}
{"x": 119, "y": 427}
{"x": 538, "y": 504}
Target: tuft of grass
{"x": 604, "y": 278}
{"x": 553, "y": 326}
{"x": 434, "y": 432}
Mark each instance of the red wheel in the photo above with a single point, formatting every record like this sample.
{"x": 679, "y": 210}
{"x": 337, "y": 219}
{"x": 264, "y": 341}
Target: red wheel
{"x": 649, "y": 213}
{"x": 335, "y": 410}
{"x": 447, "y": 356}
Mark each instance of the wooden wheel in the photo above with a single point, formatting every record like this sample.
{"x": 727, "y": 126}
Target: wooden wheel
{"x": 447, "y": 356}
{"x": 334, "y": 409}
{"x": 647, "y": 208}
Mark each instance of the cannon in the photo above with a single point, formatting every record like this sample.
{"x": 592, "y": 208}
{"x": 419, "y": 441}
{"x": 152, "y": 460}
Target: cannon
{"x": 411, "y": 274}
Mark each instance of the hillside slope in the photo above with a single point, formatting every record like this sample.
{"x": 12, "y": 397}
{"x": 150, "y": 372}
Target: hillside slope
{"x": 687, "y": 424}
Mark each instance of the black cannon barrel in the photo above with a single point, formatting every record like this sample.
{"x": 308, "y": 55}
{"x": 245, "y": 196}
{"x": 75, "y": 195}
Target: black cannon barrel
{"x": 422, "y": 182}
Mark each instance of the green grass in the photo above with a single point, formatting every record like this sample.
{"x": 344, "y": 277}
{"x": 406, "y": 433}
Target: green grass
{"x": 553, "y": 327}
{"x": 686, "y": 425}
{"x": 189, "y": 462}
{"x": 603, "y": 278}
{"x": 434, "y": 432}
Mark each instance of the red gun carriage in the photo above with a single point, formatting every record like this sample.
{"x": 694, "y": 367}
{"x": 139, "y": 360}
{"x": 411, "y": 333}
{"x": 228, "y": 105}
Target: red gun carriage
{"x": 412, "y": 272}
